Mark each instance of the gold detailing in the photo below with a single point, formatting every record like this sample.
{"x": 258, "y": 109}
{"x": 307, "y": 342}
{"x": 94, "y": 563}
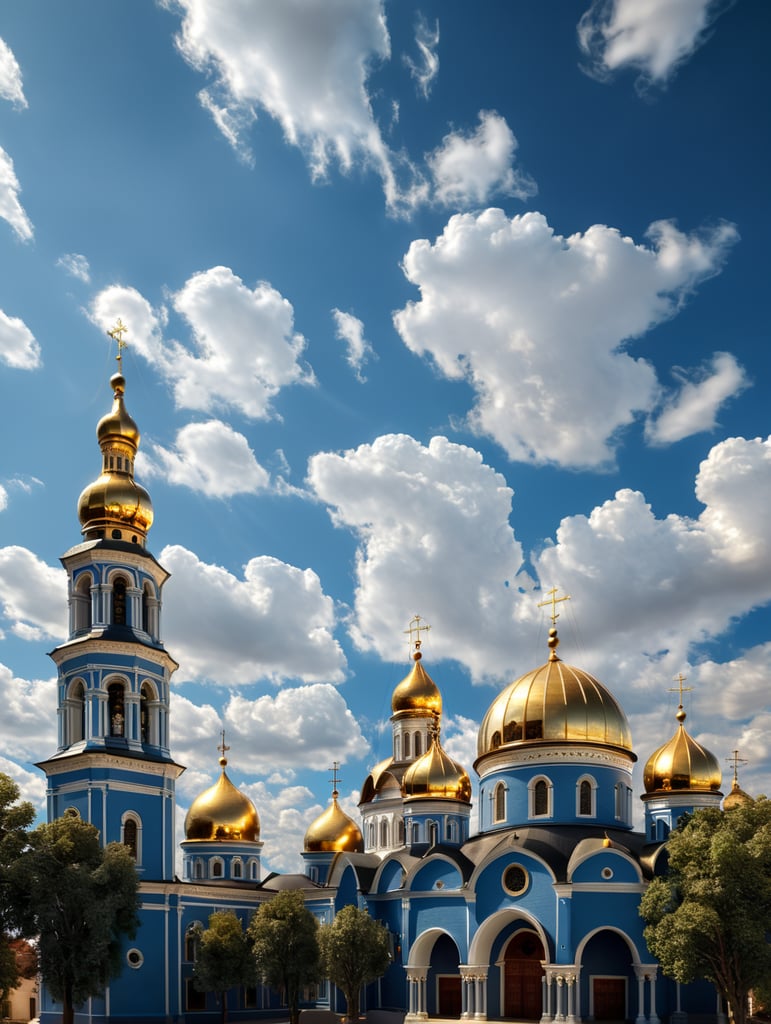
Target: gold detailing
{"x": 417, "y": 693}
{"x": 222, "y": 813}
{"x": 334, "y": 831}
{"x": 737, "y": 797}
{"x": 416, "y": 629}
{"x": 436, "y": 775}
{"x": 553, "y": 600}
{"x": 116, "y": 333}
{"x": 682, "y": 764}
{"x": 223, "y": 749}
{"x": 555, "y": 703}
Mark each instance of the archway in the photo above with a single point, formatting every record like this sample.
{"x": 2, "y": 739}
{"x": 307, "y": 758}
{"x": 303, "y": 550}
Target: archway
{"x": 522, "y": 974}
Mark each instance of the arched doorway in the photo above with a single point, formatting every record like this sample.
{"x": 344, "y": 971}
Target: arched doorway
{"x": 522, "y": 974}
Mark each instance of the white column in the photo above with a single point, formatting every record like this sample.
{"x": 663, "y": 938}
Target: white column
{"x": 571, "y": 983}
{"x": 560, "y": 1014}
{"x": 640, "y": 1018}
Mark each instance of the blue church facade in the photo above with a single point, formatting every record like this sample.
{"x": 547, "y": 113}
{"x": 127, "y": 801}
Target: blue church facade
{"x": 534, "y": 917}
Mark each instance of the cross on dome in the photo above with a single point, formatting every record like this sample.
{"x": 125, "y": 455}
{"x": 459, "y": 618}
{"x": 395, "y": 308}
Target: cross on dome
{"x": 416, "y": 628}
{"x": 116, "y": 333}
{"x": 553, "y": 600}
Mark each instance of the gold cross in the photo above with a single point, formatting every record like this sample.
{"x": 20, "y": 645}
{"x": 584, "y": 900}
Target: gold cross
{"x": 680, "y": 679}
{"x": 553, "y": 600}
{"x": 734, "y": 760}
{"x": 223, "y": 747}
{"x": 116, "y": 333}
{"x": 336, "y": 780}
{"x": 415, "y": 627}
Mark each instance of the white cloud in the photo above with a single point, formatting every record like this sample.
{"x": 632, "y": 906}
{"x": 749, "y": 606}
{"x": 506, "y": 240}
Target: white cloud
{"x": 33, "y": 595}
{"x": 76, "y": 266}
{"x": 28, "y": 722}
{"x": 304, "y": 62}
{"x": 3, "y": 498}
{"x": 350, "y": 329}
{"x": 652, "y": 36}
{"x": 32, "y": 785}
{"x": 538, "y": 324}
{"x": 468, "y": 169}
{"x": 432, "y": 524}
{"x": 208, "y": 457}
{"x": 245, "y": 345}
{"x": 10, "y": 77}
{"x": 18, "y": 347}
{"x": 276, "y": 623}
{"x": 696, "y": 406}
{"x": 10, "y": 207}
{"x": 426, "y": 68}
{"x": 195, "y": 730}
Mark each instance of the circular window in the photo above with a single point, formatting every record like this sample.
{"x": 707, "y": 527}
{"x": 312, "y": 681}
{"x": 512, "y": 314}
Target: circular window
{"x": 134, "y": 958}
{"x": 607, "y": 873}
{"x": 515, "y": 879}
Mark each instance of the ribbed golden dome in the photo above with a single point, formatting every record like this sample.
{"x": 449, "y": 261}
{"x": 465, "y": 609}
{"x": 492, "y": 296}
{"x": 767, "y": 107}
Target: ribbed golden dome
{"x": 417, "y": 692}
{"x": 682, "y": 764}
{"x": 553, "y": 704}
{"x": 333, "y": 832}
{"x": 436, "y": 776}
{"x": 737, "y": 797}
{"x": 222, "y": 812}
{"x": 115, "y": 501}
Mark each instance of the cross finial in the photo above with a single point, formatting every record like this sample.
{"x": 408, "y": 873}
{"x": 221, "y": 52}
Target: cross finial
{"x": 223, "y": 749}
{"x": 553, "y": 600}
{"x": 416, "y": 628}
{"x": 336, "y": 780}
{"x": 734, "y": 760}
{"x": 680, "y": 679}
{"x": 116, "y": 333}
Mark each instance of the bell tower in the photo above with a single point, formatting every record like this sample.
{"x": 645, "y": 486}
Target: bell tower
{"x": 113, "y": 765}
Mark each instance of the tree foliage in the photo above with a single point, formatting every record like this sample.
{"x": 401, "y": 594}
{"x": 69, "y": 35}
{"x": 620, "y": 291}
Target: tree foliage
{"x": 79, "y": 900}
{"x": 710, "y": 915}
{"x": 285, "y": 944}
{"x": 354, "y": 951}
{"x": 224, "y": 957}
{"x": 15, "y": 818}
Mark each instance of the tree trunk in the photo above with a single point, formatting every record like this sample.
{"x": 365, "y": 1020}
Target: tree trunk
{"x": 224, "y": 1001}
{"x": 68, "y": 1010}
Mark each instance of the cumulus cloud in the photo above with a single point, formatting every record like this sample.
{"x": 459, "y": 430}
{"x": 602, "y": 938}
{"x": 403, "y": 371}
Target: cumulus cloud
{"x": 28, "y": 722}
{"x": 425, "y": 69}
{"x": 244, "y": 346}
{"x": 18, "y": 347}
{"x": 33, "y": 595}
{"x": 208, "y": 457}
{"x": 307, "y": 65}
{"x": 76, "y": 266}
{"x": 10, "y": 77}
{"x": 350, "y": 329}
{"x": 539, "y": 324}
{"x": 469, "y": 168}
{"x": 10, "y": 206}
{"x": 652, "y": 36}
{"x": 432, "y": 523}
{"x": 695, "y": 407}
{"x": 276, "y": 623}
{"x": 3, "y": 498}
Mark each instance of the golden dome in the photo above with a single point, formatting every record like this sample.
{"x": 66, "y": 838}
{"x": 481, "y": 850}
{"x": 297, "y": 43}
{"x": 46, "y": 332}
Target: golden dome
{"x": 682, "y": 764}
{"x": 436, "y": 776}
{"x": 556, "y": 703}
{"x": 333, "y": 832}
{"x": 115, "y": 501}
{"x": 417, "y": 692}
{"x": 222, "y": 813}
{"x": 737, "y": 797}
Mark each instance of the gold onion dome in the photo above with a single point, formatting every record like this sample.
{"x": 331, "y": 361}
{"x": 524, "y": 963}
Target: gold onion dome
{"x": 682, "y": 764}
{"x": 435, "y": 775}
{"x": 417, "y": 692}
{"x": 555, "y": 703}
{"x": 737, "y": 797}
{"x": 115, "y": 501}
{"x": 333, "y": 832}
{"x": 222, "y": 813}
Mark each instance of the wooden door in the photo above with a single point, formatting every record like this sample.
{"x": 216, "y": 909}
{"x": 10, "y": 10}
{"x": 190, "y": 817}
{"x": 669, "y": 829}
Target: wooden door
{"x": 523, "y": 973}
{"x": 449, "y": 996}
{"x": 609, "y": 998}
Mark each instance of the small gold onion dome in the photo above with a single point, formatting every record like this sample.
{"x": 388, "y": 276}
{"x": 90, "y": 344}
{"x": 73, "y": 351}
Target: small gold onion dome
{"x": 333, "y": 832}
{"x": 554, "y": 703}
{"x": 682, "y": 764}
{"x": 115, "y": 499}
{"x": 222, "y": 812}
{"x": 736, "y": 798}
{"x": 435, "y": 775}
{"x": 417, "y": 692}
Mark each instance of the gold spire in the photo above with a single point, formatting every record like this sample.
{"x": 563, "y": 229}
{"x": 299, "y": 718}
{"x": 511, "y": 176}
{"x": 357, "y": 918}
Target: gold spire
{"x": 682, "y": 764}
{"x": 417, "y": 693}
{"x": 222, "y": 812}
{"x": 334, "y": 831}
{"x": 115, "y": 506}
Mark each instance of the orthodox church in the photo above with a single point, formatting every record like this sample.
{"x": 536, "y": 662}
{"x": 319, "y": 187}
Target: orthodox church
{"x": 533, "y": 917}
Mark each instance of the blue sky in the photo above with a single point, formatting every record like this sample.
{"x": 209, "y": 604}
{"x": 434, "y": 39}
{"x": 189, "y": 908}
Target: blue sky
{"x": 431, "y": 307}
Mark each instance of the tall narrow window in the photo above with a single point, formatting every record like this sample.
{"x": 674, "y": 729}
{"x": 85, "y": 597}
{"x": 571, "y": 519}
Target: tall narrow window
{"x": 384, "y": 832}
{"x": 116, "y": 711}
{"x": 119, "y": 602}
{"x": 418, "y": 745}
{"x": 77, "y": 716}
{"x": 499, "y": 803}
{"x": 145, "y": 612}
{"x": 540, "y": 798}
{"x": 585, "y": 797}
{"x": 130, "y": 836}
{"x": 406, "y": 745}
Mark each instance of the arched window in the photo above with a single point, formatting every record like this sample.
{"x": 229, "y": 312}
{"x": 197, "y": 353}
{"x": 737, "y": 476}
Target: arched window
{"x": 253, "y": 870}
{"x": 406, "y": 745}
{"x": 81, "y": 605}
{"x": 397, "y": 748}
{"x": 452, "y": 830}
{"x": 384, "y": 832}
{"x": 216, "y": 869}
{"x": 130, "y": 836}
{"x": 400, "y": 828}
{"x": 198, "y": 869}
{"x": 77, "y": 713}
{"x": 418, "y": 745}
{"x": 415, "y": 832}
{"x": 540, "y": 794}
{"x": 116, "y": 710}
{"x": 499, "y": 802}
{"x": 149, "y": 715}
{"x": 119, "y": 602}
{"x": 236, "y": 869}
{"x": 432, "y": 831}
{"x": 586, "y": 798}
{"x": 192, "y": 941}
{"x": 145, "y": 612}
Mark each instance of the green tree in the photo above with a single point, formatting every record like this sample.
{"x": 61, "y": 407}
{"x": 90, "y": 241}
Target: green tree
{"x": 710, "y": 915}
{"x": 285, "y": 944}
{"x": 79, "y": 900}
{"x": 354, "y": 951}
{"x": 224, "y": 957}
{"x": 15, "y": 818}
